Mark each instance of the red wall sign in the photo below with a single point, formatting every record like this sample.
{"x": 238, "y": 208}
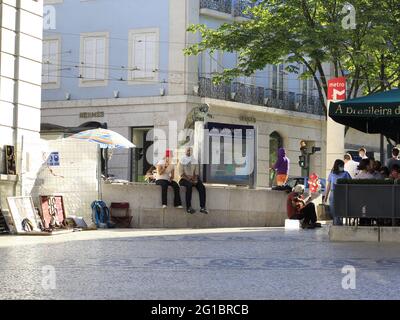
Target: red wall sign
{"x": 337, "y": 89}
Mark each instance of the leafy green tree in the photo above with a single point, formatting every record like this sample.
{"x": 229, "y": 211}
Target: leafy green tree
{"x": 313, "y": 33}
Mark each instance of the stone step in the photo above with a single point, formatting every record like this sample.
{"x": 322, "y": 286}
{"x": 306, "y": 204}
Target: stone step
{"x": 364, "y": 234}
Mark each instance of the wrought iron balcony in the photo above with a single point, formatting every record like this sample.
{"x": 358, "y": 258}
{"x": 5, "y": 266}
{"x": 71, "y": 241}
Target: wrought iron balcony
{"x": 240, "y": 6}
{"x": 249, "y": 94}
{"x": 224, "y": 6}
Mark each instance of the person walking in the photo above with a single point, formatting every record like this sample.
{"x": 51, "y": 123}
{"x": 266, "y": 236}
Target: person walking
{"x": 281, "y": 167}
{"x": 337, "y": 172}
{"x": 164, "y": 178}
{"x": 189, "y": 178}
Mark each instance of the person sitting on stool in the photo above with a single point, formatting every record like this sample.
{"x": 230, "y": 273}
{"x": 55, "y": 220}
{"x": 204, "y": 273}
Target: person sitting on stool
{"x": 299, "y": 208}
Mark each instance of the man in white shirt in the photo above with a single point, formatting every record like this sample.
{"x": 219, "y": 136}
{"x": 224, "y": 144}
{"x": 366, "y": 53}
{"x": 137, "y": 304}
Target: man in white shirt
{"x": 189, "y": 178}
{"x": 350, "y": 165}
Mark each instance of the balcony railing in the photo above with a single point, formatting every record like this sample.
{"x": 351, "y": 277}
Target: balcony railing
{"x": 224, "y": 6}
{"x": 249, "y": 94}
{"x": 240, "y": 6}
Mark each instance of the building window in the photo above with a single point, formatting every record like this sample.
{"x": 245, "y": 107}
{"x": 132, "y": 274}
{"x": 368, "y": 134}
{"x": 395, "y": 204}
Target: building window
{"x": 143, "y": 55}
{"x": 94, "y": 57}
{"x": 278, "y": 81}
{"x": 212, "y": 62}
{"x": 51, "y": 63}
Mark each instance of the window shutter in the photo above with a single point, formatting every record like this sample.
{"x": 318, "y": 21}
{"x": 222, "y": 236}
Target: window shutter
{"x": 100, "y": 63}
{"x": 45, "y": 66}
{"x": 138, "y": 60}
{"x": 206, "y": 64}
{"x": 53, "y": 58}
{"x": 89, "y": 58}
{"x": 150, "y": 51}
{"x": 214, "y": 61}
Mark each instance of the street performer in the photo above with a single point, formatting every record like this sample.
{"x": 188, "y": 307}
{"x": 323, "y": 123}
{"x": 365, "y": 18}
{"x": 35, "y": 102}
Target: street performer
{"x": 300, "y": 208}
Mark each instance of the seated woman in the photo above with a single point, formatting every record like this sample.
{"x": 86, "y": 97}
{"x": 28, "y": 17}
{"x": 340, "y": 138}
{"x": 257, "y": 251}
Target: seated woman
{"x": 299, "y": 208}
{"x": 364, "y": 170}
{"x": 164, "y": 178}
{"x": 376, "y": 167}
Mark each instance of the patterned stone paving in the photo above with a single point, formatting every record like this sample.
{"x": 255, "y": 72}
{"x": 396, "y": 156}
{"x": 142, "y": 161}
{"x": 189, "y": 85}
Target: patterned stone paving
{"x": 200, "y": 264}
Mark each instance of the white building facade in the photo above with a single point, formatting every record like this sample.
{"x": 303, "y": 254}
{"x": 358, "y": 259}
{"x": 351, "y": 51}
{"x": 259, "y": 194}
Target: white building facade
{"x": 21, "y": 31}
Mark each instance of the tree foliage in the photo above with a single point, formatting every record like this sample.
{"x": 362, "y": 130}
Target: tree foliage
{"x": 312, "y": 33}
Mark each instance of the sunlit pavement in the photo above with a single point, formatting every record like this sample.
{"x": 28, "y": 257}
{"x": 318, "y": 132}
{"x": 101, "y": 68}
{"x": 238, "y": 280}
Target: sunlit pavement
{"x": 244, "y": 263}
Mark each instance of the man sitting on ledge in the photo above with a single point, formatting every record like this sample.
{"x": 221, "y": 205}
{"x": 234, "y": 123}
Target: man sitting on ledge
{"x": 299, "y": 208}
{"x": 189, "y": 178}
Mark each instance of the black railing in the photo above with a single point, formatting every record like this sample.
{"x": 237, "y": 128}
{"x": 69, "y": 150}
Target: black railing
{"x": 240, "y": 7}
{"x": 244, "y": 93}
{"x": 217, "y": 5}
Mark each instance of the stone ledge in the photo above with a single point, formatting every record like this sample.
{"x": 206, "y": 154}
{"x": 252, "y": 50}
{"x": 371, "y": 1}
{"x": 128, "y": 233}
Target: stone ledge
{"x": 364, "y": 234}
{"x": 228, "y": 207}
{"x": 389, "y": 234}
{"x": 353, "y": 234}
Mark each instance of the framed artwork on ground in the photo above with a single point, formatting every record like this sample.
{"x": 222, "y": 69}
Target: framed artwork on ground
{"x": 23, "y": 214}
{"x": 52, "y": 211}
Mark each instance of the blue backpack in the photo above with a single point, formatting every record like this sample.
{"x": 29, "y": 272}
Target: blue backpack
{"x": 101, "y": 214}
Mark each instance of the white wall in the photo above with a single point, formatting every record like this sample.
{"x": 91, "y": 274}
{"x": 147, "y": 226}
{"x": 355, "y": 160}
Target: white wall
{"x": 76, "y": 178}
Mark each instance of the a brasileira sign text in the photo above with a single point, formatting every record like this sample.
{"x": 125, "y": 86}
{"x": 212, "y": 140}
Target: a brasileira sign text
{"x": 360, "y": 111}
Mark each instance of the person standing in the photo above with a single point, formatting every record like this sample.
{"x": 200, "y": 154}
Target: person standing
{"x": 362, "y": 152}
{"x": 394, "y": 159}
{"x": 164, "y": 178}
{"x": 337, "y": 172}
{"x": 189, "y": 178}
{"x": 282, "y": 167}
{"x": 350, "y": 165}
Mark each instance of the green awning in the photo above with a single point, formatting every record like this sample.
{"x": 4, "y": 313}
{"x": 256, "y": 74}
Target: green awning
{"x": 375, "y": 113}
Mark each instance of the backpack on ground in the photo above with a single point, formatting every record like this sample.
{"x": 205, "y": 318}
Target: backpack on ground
{"x": 101, "y": 214}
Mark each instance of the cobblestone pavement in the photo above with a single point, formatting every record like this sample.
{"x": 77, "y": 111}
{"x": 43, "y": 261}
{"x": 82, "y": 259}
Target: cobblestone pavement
{"x": 259, "y": 263}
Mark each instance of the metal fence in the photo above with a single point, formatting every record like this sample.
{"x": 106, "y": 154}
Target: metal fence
{"x": 217, "y": 5}
{"x": 261, "y": 96}
{"x": 240, "y": 6}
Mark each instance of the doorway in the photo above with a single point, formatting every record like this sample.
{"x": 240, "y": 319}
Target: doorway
{"x": 275, "y": 142}
{"x": 141, "y": 157}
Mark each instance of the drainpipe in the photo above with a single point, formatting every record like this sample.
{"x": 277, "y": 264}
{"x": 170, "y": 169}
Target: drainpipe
{"x": 18, "y": 152}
